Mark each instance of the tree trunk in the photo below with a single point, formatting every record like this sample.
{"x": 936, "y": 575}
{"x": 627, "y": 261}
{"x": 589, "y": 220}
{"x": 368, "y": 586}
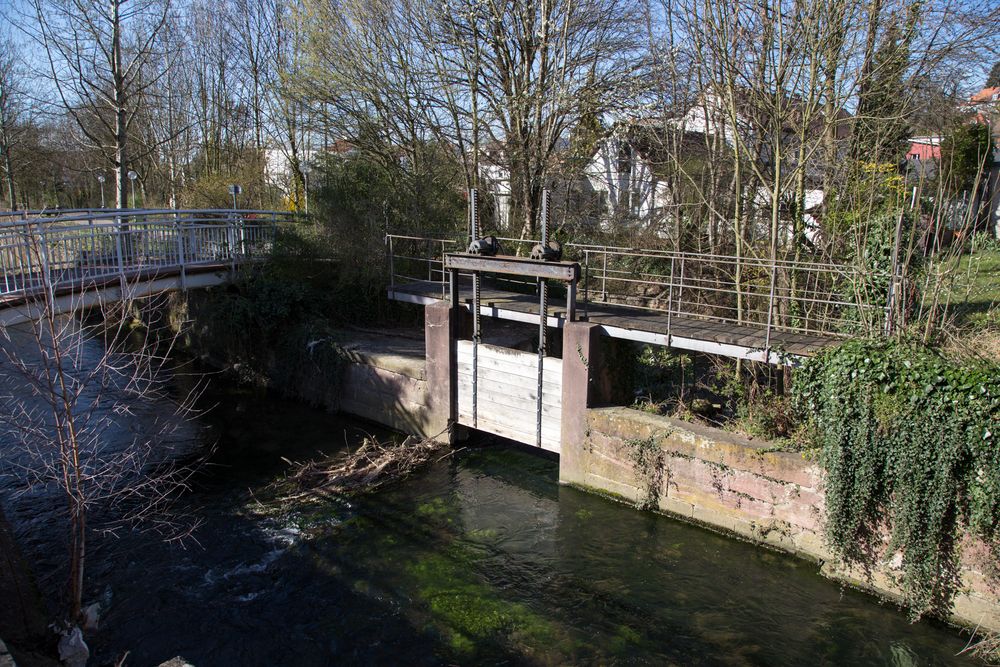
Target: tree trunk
{"x": 121, "y": 127}
{"x": 8, "y": 171}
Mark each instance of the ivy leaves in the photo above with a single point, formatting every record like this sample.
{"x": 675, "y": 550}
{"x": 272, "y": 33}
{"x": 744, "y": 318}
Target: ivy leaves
{"x": 908, "y": 445}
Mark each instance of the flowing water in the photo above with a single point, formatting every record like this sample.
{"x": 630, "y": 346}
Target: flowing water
{"x": 481, "y": 558}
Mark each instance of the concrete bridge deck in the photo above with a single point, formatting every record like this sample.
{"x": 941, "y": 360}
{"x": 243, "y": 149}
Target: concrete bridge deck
{"x": 630, "y": 323}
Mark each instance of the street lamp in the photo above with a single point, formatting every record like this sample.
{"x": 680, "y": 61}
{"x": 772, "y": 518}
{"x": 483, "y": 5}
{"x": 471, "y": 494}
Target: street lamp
{"x": 305, "y": 184}
{"x": 131, "y": 177}
{"x": 235, "y": 190}
{"x": 100, "y": 179}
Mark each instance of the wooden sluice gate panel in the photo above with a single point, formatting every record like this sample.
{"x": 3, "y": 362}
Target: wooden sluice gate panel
{"x": 507, "y": 394}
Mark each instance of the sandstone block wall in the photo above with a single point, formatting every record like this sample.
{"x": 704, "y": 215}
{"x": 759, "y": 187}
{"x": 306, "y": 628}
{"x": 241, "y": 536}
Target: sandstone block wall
{"x": 741, "y": 486}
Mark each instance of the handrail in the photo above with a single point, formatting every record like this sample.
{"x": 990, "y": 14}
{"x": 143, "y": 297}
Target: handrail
{"x": 669, "y": 254}
{"x": 808, "y": 297}
{"x": 37, "y": 256}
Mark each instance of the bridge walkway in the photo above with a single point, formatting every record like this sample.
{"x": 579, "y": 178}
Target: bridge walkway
{"x": 631, "y": 323}
{"x": 87, "y": 257}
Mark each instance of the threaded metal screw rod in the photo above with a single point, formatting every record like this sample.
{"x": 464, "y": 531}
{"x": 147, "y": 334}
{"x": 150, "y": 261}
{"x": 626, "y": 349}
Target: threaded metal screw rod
{"x": 543, "y": 314}
{"x": 476, "y": 296}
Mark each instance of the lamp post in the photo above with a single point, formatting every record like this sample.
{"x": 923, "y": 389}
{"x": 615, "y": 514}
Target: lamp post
{"x": 305, "y": 179}
{"x": 131, "y": 177}
{"x": 235, "y": 190}
{"x": 100, "y": 179}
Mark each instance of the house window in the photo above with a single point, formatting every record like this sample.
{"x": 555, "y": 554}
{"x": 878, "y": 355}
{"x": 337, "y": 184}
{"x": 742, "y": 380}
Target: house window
{"x": 624, "y": 159}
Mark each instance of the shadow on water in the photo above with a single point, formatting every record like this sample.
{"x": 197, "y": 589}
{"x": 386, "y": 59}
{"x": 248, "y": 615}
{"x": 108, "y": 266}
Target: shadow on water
{"x": 481, "y": 558}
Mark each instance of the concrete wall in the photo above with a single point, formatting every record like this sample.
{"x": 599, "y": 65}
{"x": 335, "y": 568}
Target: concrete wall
{"x": 743, "y": 487}
{"x": 382, "y": 376}
{"x": 389, "y": 389}
{"x": 409, "y": 387}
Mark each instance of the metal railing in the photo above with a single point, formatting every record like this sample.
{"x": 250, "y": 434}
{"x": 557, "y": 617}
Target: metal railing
{"x": 418, "y": 260}
{"x": 82, "y": 249}
{"x": 816, "y": 298}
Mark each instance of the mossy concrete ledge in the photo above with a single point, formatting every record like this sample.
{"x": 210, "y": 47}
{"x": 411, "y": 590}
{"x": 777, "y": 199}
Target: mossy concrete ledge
{"x": 743, "y": 487}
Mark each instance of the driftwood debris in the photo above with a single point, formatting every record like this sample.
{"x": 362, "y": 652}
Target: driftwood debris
{"x": 370, "y": 466}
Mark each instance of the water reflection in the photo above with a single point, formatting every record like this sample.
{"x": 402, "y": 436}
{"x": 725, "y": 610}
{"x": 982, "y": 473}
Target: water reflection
{"x": 479, "y": 559}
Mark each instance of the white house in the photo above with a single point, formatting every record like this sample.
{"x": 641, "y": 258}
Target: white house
{"x": 625, "y": 179}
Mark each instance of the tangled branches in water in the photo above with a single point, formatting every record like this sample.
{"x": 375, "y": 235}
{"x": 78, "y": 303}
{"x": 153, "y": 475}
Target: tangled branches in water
{"x": 370, "y": 466}
{"x": 987, "y": 648}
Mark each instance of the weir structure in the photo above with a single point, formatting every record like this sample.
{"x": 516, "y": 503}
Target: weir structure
{"x": 745, "y": 307}
{"x": 88, "y": 256}
{"x": 561, "y": 404}
{"x": 777, "y": 311}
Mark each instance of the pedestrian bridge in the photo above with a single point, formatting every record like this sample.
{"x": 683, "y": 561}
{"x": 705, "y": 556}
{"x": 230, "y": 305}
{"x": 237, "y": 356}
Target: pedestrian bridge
{"x": 776, "y": 311}
{"x": 77, "y": 259}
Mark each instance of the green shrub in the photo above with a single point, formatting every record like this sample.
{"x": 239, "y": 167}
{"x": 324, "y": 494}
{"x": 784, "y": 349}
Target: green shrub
{"x": 909, "y": 448}
{"x": 965, "y": 155}
{"x": 765, "y": 414}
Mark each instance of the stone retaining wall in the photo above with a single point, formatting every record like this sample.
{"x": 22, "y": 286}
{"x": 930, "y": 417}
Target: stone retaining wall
{"x": 743, "y": 487}
{"x": 386, "y": 388}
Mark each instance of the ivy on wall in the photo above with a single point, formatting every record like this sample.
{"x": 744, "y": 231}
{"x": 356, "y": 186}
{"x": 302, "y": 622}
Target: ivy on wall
{"x": 649, "y": 466}
{"x": 909, "y": 444}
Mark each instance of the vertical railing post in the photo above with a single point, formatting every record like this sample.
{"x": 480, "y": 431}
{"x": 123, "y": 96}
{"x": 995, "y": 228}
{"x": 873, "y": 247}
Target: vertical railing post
{"x": 231, "y": 233}
{"x": 118, "y": 252}
{"x": 430, "y": 260}
{"x": 680, "y": 288}
{"x": 241, "y": 231}
{"x": 670, "y": 300}
{"x": 586, "y": 282}
{"x": 23, "y": 256}
{"x": 94, "y": 253}
{"x": 604, "y": 278}
{"x": 571, "y": 301}
{"x": 3, "y": 264}
{"x": 179, "y": 234}
{"x": 392, "y": 266}
{"x": 441, "y": 259}
{"x": 770, "y": 310}
{"x": 43, "y": 255}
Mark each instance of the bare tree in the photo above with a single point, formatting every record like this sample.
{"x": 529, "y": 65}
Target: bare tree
{"x": 74, "y": 383}
{"x": 513, "y": 76}
{"x": 97, "y": 58}
{"x": 12, "y": 110}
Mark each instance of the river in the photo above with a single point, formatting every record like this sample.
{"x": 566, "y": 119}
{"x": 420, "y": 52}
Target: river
{"x": 480, "y": 558}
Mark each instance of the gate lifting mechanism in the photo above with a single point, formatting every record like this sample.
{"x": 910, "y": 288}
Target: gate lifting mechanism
{"x": 545, "y": 264}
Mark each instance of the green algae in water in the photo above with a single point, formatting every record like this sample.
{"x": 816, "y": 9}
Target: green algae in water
{"x": 470, "y": 612}
{"x": 626, "y": 640}
{"x": 436, "y": 508}
{"x": 486, "y": 559}
{"x": 483, "y": 534}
